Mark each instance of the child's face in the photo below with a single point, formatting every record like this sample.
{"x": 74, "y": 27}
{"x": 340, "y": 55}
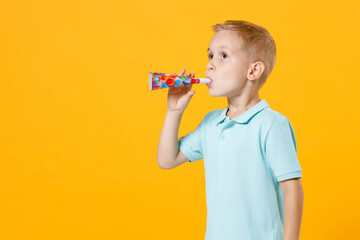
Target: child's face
{"x": 227, "y": 67}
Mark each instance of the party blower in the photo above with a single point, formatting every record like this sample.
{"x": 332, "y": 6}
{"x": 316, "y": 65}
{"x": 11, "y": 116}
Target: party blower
{"x": 164, "y": 80}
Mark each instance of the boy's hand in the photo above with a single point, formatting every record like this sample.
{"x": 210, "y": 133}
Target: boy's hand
{"x": 179, "y": 97}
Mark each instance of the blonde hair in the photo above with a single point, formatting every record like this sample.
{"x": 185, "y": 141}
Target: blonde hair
{"x": 258, "y": 44}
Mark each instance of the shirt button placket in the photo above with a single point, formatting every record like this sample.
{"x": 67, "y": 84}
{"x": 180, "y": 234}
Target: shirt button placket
{"x": 222, "y": 142}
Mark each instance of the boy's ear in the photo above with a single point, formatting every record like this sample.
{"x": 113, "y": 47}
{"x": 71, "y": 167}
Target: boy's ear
{"x": 255, "y": 70}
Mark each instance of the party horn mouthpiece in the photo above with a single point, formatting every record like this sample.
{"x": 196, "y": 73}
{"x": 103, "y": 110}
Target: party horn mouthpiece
{"x": 164, "y": 80}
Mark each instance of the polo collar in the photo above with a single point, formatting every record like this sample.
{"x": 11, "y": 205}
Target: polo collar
{"x": 245, "y": 116}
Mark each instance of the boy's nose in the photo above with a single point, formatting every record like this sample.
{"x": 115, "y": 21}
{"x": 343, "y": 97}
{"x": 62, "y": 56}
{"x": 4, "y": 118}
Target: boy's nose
{"x": 209, "y": 66}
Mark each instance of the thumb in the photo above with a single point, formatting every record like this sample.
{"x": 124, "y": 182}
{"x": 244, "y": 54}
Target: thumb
{"x": 191, "y": 93}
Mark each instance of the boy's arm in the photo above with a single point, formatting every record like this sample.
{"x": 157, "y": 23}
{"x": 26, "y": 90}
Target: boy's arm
{"x": 168, "y": 155}
{"x": 293, "y": 206}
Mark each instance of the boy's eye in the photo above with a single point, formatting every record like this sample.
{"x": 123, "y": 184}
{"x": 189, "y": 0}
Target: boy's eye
{"x": 224, "y": 54}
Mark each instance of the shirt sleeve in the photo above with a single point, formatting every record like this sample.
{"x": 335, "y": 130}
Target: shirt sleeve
{"x": 281, "y": 152}
{"x": 191, "y": 145}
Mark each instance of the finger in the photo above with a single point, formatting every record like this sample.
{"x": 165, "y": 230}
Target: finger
{"x": 182, "y": 71}
{"x": 190, "y": 94}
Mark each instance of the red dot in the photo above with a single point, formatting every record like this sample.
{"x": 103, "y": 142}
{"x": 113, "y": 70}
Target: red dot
{"x": 170, "y": 82}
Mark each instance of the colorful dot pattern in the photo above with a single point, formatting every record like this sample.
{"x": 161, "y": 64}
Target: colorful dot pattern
{"x": 165, "y": 80}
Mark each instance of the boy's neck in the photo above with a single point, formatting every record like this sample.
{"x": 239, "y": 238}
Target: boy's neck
{"x": 240, "y": 104}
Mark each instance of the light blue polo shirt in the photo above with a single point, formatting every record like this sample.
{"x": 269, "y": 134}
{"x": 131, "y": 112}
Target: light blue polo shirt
{"x": 245, "y": 158}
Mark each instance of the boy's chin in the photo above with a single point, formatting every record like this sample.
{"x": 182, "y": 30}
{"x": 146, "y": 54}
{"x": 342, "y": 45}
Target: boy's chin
{"x": 215, "y": 94}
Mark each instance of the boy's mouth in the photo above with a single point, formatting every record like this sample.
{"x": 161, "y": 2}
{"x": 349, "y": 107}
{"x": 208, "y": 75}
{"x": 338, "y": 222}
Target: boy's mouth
{"x": 209, "y": 83}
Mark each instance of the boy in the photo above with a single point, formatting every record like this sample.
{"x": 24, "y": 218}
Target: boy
{"x": 253, "y": 185}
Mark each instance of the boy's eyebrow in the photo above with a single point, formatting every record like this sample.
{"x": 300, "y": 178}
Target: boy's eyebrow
{"x": 221, "y": 46}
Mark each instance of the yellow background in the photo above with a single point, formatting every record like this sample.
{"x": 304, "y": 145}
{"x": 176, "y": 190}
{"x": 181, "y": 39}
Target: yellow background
{"x": 79, "y": 126}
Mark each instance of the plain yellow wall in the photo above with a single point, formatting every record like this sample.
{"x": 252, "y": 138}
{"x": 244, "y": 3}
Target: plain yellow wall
{"x": 79, "y": 126}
